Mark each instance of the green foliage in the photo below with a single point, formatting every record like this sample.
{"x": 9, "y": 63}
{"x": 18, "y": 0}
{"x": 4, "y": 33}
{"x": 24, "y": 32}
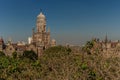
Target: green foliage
{"x": 92, "y": 75}
{"x": 30, "y": 55}
{"x": 57, "y": 51}
{"x": 4, "y": 62}
{"x": 14, "y": 54}
{"x": 84, "y": 66}
{"x": 2, "y": 54}
{"x": 90, "y": 44}
{"x": 58, "y": 63}
{"x": 36, "y": 63}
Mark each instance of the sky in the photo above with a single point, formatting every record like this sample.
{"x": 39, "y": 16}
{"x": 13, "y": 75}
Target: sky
{"x": 70, "y": 21}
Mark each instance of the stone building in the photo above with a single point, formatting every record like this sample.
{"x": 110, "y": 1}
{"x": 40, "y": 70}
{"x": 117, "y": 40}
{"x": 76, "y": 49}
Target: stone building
{"x": 107, "y": 45}
{"x": 39, "y": 41}
{"x": 40, "y": 37}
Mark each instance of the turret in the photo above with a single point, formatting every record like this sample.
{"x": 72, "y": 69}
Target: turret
{"x": 41, "y": 23}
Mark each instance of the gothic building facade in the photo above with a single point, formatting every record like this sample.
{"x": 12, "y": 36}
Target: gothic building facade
{"x": 39, "y": 41}
{"x": 41, "y": 36}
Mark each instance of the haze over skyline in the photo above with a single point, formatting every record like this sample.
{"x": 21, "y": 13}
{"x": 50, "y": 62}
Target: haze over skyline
{"x": 73, "y": 21}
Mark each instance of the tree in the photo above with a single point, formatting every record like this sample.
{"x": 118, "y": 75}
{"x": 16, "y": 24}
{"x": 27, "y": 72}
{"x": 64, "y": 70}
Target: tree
{"x": 2, "y": 53}
{"x": 30, "y": 54}
{"x": 55, "y": 63}
{"x": 57, "y": 50}
{"x": 89, "y": 45}
{"x": 14, "y": 54}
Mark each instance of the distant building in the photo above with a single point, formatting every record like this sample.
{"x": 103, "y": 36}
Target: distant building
{"x": 21, "y": 43}
{"x": 39, "y": 41}
{"x": 107, "y": 46}
{"x": 41, "y": 37}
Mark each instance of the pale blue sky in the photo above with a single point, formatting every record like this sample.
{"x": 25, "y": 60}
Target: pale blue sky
{"x": 70, "y": 21}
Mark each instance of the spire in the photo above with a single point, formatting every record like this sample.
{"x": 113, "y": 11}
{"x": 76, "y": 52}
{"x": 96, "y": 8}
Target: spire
{"x": 33, "y": 30}
{"x": 48, "y": 29}
{"x": 40, "y": 10}
{"x": 106, "y": 39}
{"x": 10, "y": 40}
{"x": 41, "y": 15}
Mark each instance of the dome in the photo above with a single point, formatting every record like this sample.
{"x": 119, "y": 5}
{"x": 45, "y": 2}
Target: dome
{"x": 41, "y": 15}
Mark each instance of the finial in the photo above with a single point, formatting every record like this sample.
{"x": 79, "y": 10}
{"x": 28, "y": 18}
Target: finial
{"x": 33, "y": 29}
{"x": 106, "y": 39}
{"x": 40, "y": 10}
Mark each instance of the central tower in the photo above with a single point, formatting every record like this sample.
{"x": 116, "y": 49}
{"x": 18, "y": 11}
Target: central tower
{"x": 41, "y": 37}
{"x": 41, "y": 23}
